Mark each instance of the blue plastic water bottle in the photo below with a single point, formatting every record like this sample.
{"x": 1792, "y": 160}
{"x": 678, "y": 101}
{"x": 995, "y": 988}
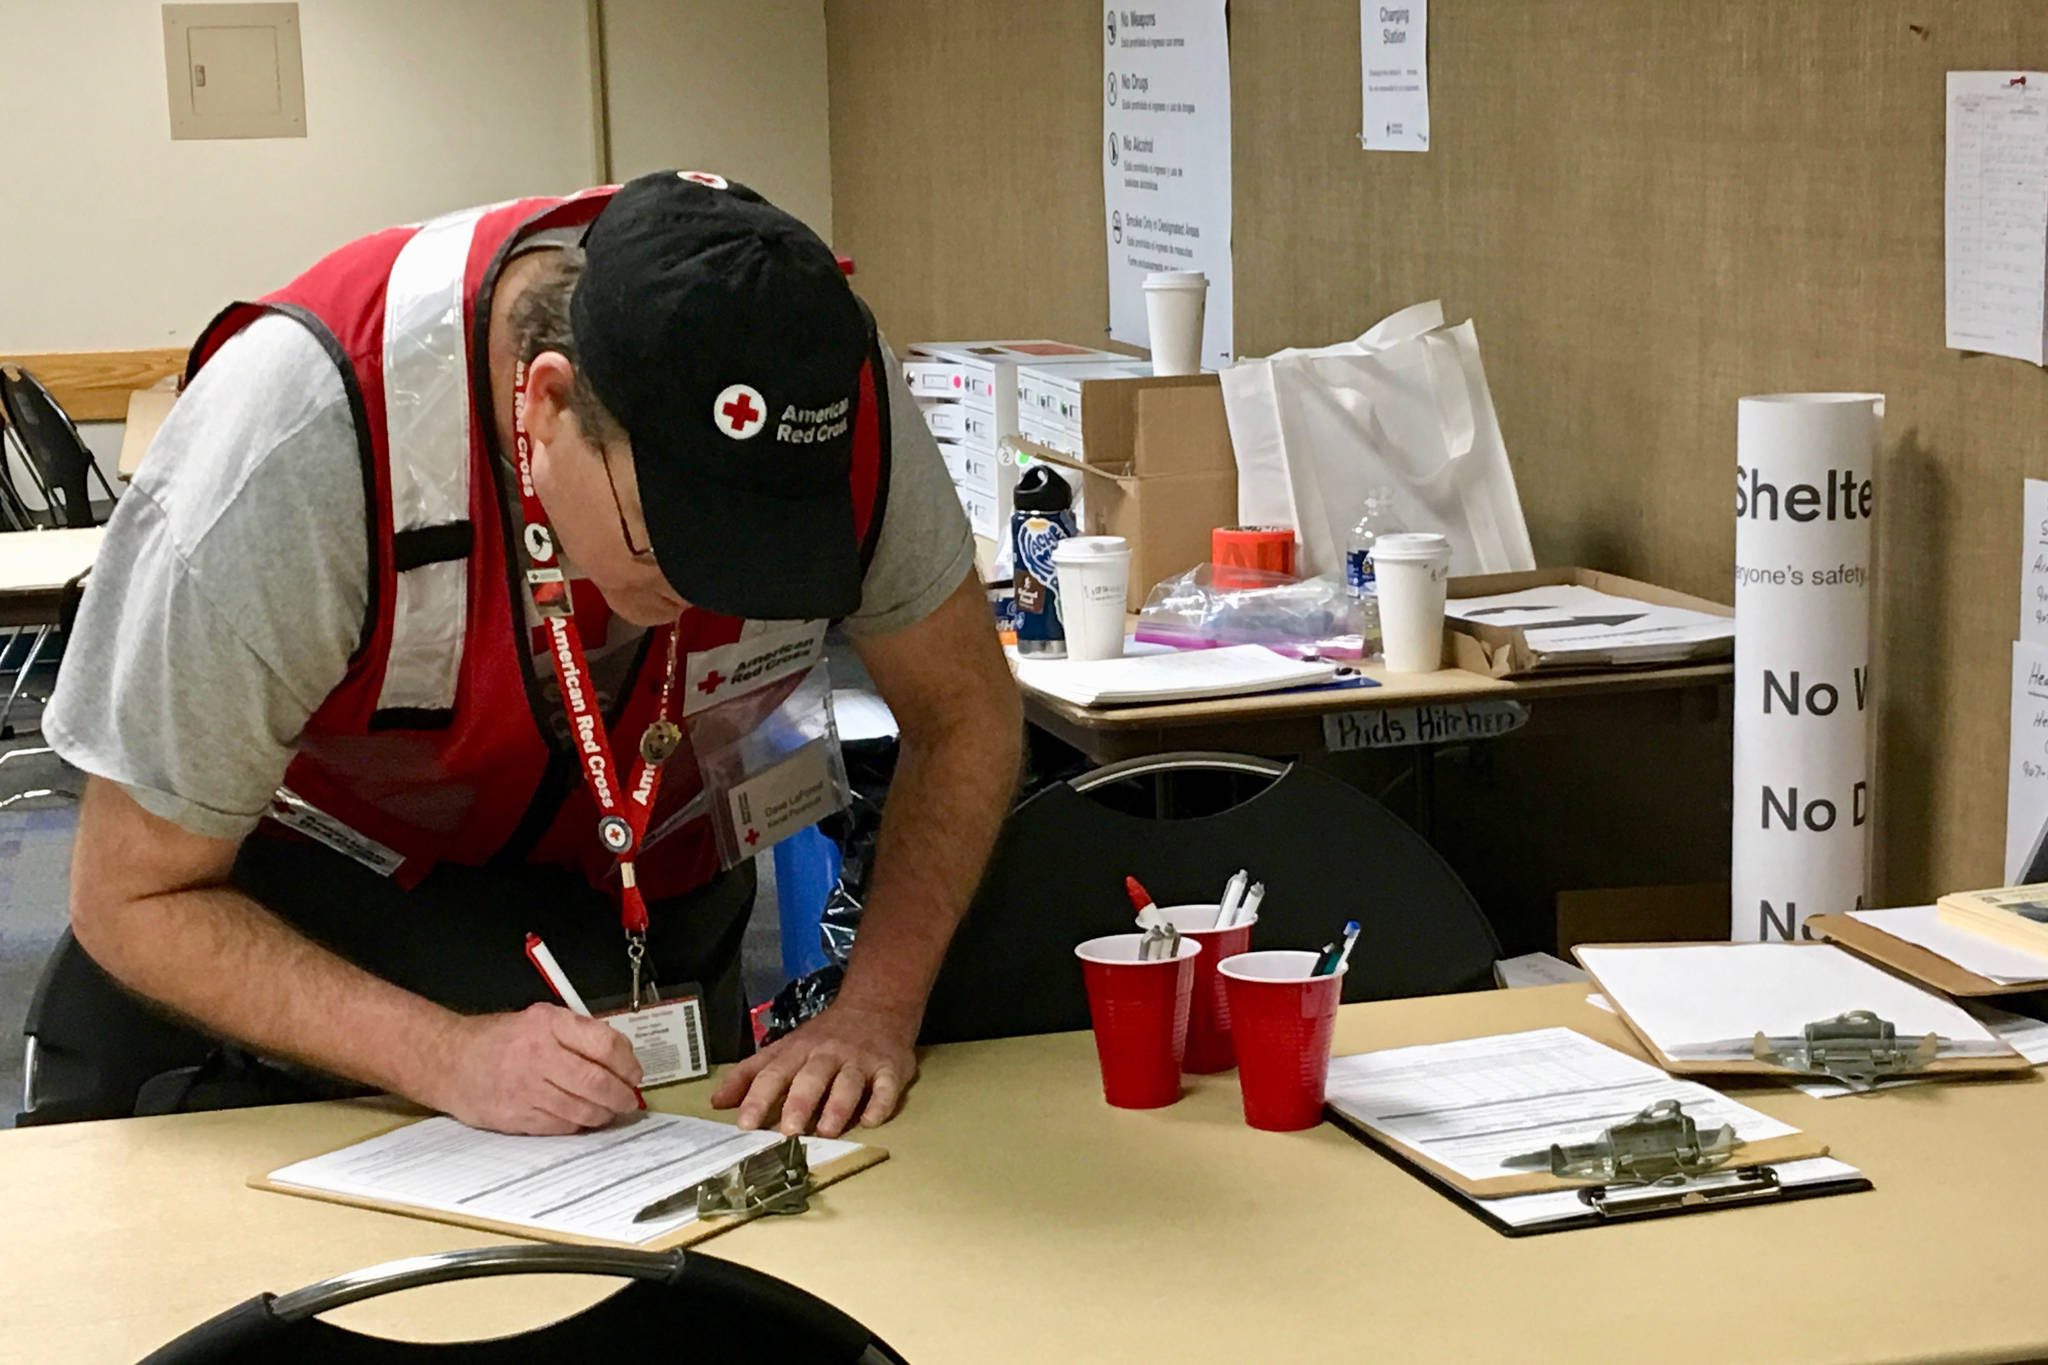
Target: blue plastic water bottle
{"x": 1043, "y": 518}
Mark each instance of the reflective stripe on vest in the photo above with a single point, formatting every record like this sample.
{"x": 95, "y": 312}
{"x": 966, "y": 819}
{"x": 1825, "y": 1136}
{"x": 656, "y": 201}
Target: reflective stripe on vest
{"x": 427, "y": 425}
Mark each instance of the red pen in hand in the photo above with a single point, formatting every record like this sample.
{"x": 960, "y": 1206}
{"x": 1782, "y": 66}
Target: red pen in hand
{"x": 558, "y": 981}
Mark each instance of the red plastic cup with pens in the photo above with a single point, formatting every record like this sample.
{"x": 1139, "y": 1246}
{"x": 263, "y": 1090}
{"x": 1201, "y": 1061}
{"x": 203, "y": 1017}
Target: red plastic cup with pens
{"x": 1140, "y": 1013}
{"x": 1282, "y": 1017}
{"x": 1210, "y": 1048}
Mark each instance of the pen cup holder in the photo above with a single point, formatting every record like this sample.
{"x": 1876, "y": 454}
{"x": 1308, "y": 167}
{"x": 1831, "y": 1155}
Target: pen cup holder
{"x": 1140, "y": 1014}
{"x": 1282, "y": 1019}
{"x": 1210, "y": 1048}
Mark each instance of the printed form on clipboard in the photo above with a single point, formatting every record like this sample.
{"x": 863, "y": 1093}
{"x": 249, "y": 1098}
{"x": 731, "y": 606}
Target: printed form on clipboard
{"x": 1478, "y": 1117}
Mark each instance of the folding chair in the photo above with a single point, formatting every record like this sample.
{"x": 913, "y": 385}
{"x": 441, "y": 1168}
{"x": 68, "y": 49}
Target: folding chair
{"x": 50, "y": 448}
{"x": 681, "y": 1306}
{"x": 1326, "y": 852}
{"x": 40, "y": 436}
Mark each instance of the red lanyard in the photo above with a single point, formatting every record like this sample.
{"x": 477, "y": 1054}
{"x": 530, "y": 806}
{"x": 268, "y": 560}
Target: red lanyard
{"x": 622, "y": 822}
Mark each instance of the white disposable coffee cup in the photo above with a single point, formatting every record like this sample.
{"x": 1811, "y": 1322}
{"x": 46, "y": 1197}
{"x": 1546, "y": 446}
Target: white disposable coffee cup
{"x": 1173, "y": 313}
{"x": 1094, "y": 574}
{"x": 1412, "y": 571}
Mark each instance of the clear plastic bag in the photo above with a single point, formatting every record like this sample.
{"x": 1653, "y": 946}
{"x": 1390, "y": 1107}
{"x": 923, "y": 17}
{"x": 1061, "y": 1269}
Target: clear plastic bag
{"x": 1310, "y": 618}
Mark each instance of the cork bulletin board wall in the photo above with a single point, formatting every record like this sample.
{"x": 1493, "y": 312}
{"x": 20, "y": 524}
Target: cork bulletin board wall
{"x": 1650, "y": 208}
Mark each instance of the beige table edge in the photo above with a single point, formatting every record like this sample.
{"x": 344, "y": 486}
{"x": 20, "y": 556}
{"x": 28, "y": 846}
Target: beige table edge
{"x": 1020, "y": 1219}
{"x": 1394, "y": 689}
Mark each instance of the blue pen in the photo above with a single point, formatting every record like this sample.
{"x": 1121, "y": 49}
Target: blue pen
{"x": 1336, "y": 954}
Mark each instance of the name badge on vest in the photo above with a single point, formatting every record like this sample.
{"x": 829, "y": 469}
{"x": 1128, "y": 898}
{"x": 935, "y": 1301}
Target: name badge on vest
{"x": 765, "y": 654}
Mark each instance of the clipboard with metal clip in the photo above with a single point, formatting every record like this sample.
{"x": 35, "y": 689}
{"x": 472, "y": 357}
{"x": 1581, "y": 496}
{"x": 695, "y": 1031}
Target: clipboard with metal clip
{"x": 1656, "y": 1164}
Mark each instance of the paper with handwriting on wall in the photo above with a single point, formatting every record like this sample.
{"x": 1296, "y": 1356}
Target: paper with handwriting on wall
{"x": 2034, "y": 562}
{"x": 1472, "y": 1104}
{"x": 1707, "y": 1001}
{"x": 1394, "y": 58}
{"x": 2026, "y": 767}
{"x": 1996, "y": 218}
{"x": 1921, "y": 925}
{"x": 584, "y": 1184}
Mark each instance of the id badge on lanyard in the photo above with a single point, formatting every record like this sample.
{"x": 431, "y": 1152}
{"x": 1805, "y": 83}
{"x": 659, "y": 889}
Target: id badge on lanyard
{"x": 771, "y": 763}
{"x": 623, "y": 810}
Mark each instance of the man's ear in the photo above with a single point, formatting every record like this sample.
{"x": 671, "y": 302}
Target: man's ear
{"x": 550, "y": 379}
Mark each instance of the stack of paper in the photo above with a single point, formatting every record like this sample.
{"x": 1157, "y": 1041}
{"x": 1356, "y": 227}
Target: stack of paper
{"x": 1569, "y": 624}
{"x": 1922, "y": 925}
{"x": 1468, "y": 1107}
{"x": 1238, "y": 670}
{"x": 584, "y": 1187}
{"x": 1708, "y": 1001}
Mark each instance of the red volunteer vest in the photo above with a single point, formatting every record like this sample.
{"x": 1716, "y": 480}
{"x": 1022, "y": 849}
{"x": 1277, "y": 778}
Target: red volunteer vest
{"x": 440, "y": 744}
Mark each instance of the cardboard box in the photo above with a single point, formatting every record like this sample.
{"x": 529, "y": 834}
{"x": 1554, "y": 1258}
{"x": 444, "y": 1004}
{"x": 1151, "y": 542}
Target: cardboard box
{"x": 1160, "y": 471}
{"x": 1642, "y": 914}
{"x": 1052, "y": 393}
{"x": 1505, "y": 652}
{"x": 983, "y": 374}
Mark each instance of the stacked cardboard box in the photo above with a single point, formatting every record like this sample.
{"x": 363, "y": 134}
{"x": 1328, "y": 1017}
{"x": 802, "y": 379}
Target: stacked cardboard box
{"x": 968, "y": 393}
{"x": 1158, "y": 469}
{"x": 1049, "y": 400}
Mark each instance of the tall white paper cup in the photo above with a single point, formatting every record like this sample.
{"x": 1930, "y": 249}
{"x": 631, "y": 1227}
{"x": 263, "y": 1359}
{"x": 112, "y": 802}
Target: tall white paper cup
{"x": 1173, "y": 317}
{"x": 1805, "y": 515}
{"x": 1094, "y": 575}
{"x": 1412, "y": 570}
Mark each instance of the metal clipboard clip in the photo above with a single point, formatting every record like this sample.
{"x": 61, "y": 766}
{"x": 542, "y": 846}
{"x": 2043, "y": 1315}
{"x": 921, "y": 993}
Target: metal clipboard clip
{"x": 1655, "y": 1162}
{"x": 1858, "y": 1049}
{"x": 775, "y": 1179}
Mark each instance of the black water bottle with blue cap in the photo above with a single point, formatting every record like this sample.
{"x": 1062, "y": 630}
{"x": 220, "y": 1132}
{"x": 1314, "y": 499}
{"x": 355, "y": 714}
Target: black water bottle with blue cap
{"x": 1042, "y": 517}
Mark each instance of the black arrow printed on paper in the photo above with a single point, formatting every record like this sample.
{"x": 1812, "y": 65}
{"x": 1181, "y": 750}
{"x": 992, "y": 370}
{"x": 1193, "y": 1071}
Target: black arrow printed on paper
{"x": 1589, "y": 621}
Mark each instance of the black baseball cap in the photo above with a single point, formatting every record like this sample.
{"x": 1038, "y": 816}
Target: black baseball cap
{"x": 723, "y": 336}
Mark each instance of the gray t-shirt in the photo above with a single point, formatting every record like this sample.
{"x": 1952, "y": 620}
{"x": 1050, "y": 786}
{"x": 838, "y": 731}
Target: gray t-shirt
{"x": 230, "y": 592}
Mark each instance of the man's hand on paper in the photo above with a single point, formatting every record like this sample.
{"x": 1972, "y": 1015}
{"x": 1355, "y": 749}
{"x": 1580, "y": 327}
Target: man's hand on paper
{"x": 542, "y": 1070}
{"x": 849, "y": 1063}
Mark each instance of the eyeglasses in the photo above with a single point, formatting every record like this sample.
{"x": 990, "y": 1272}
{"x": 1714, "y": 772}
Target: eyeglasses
{"x": 625, "y": 531}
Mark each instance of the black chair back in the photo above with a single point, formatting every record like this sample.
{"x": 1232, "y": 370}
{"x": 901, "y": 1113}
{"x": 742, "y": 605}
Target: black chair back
{"x": 682, "y": 1306}
{"x": 1326, "y": 852}
{"x": 72, "y": 1074}
{"x": 57, "y": 454}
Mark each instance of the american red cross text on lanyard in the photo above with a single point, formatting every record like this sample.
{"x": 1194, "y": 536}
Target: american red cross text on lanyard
{"x": 622, "y": 818}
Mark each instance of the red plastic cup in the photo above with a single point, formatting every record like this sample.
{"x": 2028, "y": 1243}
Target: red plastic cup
{"x": 1282, "y": 1019}
{"x": 1209, "y": 1047}
{"x": 1140, "y": 1013}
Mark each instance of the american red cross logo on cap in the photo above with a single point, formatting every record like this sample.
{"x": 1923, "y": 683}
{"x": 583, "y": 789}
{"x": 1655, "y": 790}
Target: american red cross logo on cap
{"x": 739, "y": 411}
{"x": 716, "y": 182}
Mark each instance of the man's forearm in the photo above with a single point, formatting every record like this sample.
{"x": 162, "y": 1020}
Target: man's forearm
{"x": 221, "y": 960}
{"x": 945, "y": 805}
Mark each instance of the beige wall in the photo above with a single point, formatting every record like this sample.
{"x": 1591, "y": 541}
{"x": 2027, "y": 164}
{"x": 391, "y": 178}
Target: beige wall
{"x": 732, "y": 86}
{"x": 116, "y": 237}
{"x": 1650, "y": 207}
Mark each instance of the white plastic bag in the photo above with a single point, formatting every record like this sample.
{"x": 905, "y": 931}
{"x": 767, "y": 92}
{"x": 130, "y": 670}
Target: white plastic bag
{"x": 1405, "y": 405}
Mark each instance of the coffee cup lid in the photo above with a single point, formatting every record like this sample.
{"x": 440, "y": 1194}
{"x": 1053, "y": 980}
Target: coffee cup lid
{"x": 1090, "y": 547}
{"x": 1410, "y": 546}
